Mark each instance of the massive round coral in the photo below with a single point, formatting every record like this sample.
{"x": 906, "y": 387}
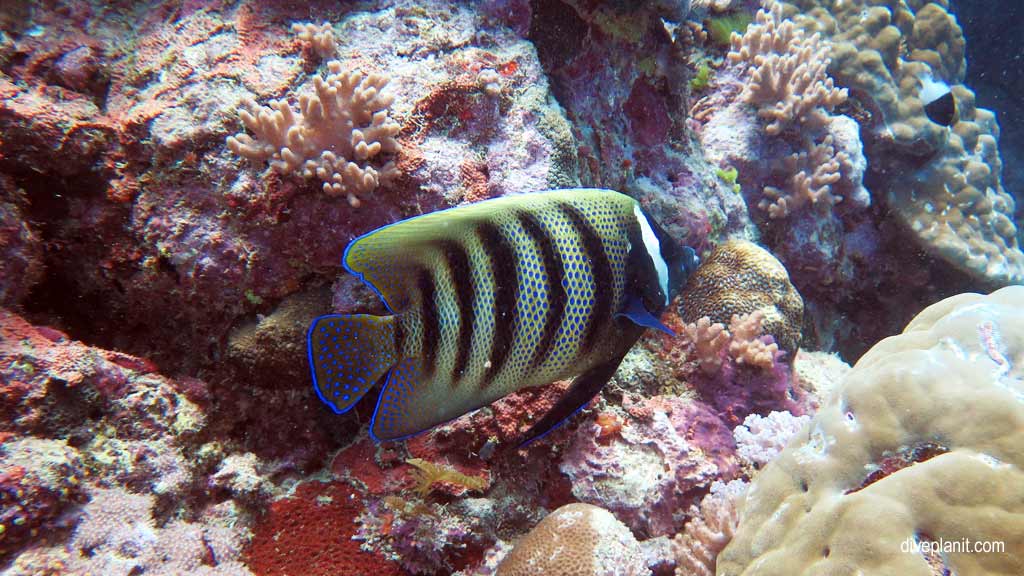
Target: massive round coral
{"x": 921, "y": 445}
{"x": 576, "y": 540}
{"x": 740, "y": 277}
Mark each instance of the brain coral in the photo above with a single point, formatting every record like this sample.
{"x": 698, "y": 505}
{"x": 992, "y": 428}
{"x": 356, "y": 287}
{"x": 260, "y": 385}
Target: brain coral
{"x": 944, "y": 184}
{"x": 738, "y": 278}
{"x": 576, "y": 540}
{"x": 924, "y": 443}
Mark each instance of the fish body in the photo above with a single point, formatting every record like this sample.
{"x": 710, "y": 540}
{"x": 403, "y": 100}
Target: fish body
{"x": 492, "y": 297}
{"x": 938, "y": 101}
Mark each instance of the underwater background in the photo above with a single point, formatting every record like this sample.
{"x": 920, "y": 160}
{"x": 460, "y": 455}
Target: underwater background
{"x": 838, "y": 388}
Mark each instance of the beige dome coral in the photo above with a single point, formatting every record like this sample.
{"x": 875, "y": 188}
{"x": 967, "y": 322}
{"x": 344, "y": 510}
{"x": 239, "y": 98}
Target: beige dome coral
{"x": 740, "y": 277}
{"x": 576, "y": 540}
{"x": 922, "y": 445}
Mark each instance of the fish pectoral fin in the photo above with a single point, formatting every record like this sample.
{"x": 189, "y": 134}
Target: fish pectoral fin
{"x": 637, "y": 314}
{"x": 584, "y": 388}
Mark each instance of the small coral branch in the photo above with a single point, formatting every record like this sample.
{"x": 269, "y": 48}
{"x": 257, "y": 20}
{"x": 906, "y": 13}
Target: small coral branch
{"x": 710, "y": 529}
{"x": 747, "y": 345}
{"x": 812, "y": 172}
{"x": 335, "y": 135}
{"x": 320, "y": 38}
{"x": 429, "y": 474}
{"x": 708, "y": 340}
{"x": 743, "y": 341}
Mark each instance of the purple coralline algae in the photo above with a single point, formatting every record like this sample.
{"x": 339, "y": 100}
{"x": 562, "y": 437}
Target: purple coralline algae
{"x": 650, "y": 470}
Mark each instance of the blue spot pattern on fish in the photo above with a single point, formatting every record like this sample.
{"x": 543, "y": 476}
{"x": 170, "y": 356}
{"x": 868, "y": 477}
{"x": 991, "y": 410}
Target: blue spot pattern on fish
{"x": 492, "y": 297}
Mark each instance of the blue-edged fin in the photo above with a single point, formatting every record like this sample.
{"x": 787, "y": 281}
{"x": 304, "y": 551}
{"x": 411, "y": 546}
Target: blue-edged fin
{"x": 348, "y": 354}
{"x": 583, "y": 389}
{"x": 639, "y": 315}
{"x": 397, "y": 414}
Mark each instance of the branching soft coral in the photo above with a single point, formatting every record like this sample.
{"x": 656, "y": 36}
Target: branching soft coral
{"x": 743, "y": 341}
{"x": 812, "y": 172}
{"x": 788, "y": 71}
{"x": 748, "y": 346}
{"x": 335, "y": 135}
{"x": 711, "y": 527}
{"x": 320, "y": 38}
{"x": 708, "y": 340}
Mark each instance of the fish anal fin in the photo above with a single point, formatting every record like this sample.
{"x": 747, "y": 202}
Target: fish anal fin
{"x": 396, "y": 405}
{"x": 583, "y": 389}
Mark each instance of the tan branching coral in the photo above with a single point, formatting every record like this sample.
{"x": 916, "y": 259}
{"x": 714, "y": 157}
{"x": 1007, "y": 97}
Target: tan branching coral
{"x": 739, "y": 277}
{"x": 812, "y": 173}
{"x": 340, "y": 134}
{"x": 320, "y": 38}
{"x": 922, "y": 443}
{"x": 708, "y": 340}
{"x": 709, "y": 530}
{"x": 743, "y": 340}
{"x": 747, "y": 345}
{"x": 576, "y": 540}
{"x": 788, "y": 82}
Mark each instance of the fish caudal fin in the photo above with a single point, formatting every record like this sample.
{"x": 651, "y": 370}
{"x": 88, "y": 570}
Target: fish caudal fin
{"x": 348, "y": 354}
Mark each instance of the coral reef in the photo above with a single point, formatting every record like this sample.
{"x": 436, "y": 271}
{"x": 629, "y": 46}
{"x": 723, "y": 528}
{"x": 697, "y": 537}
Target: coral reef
{"x": 311, "y": 532}
{"x": 738, "y": 278}
{"x": 160, "y": 274}
{"x": 142, "y": 209}
{"x": 711, "y": 527}
{"x": 345, "y": 121}
{"x": 20, "y": 246}
{"x": 40, "y": 478}
{"x": 117, "y": 535}
{"x": 948, "y": 191}
{"x": 922, "y": 443}
{"x": 576, "y": 540}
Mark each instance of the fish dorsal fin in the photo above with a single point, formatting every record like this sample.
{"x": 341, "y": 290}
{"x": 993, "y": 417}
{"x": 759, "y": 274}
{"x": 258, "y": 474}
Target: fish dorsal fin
{"x": 388, "y": 258}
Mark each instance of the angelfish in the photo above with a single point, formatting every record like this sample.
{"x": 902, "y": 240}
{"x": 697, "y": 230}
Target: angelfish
{"x": 492, "y": 297}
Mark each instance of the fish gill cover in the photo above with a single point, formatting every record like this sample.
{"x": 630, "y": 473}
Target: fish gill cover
{"x": 179, "y": 182}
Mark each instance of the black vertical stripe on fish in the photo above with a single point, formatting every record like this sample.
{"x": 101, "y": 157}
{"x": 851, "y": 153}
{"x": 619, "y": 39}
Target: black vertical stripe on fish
{"x": 554, "y": 274}
{"x": 506, "y": 292}
{"x": 431, "y": 321}
{"x": 457, "y": 259}
{"x": 601, "y": 271}
{"x": 399, "y": 335}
